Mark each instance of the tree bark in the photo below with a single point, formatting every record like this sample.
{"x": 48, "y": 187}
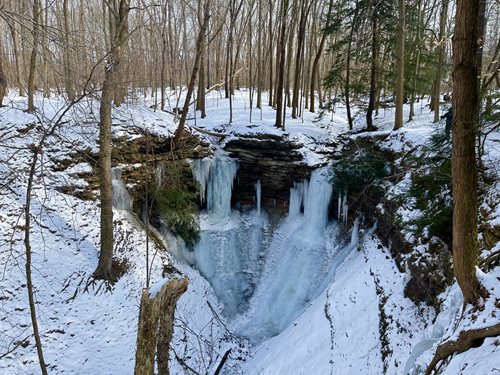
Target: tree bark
{"x": 3, "y": 78}
{"x": 315, "y": 64}
{"x": 398, "y": 121}
{"x": 31, "y": 77}
{"x": 348, "y": 67}
{"x": 104, "y": 269}
{"x": 465, "y": 123}
{"x": 19, "y": 72}
{"x": 373, "y": 74}
{"x": 156, "y": 327}
{"x": 68, "y": 72}
{"x": 441, "y": 50}
{"x": 281, "y": 72}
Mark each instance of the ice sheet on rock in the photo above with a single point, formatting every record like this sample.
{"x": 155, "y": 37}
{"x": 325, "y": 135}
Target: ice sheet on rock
{"x": 437, "y": 332}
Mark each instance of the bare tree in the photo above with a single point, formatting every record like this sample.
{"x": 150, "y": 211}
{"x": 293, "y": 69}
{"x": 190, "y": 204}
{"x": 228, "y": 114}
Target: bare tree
{"x": 120, "y": 25}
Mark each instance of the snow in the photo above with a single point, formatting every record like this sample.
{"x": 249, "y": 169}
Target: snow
{"x": 308, "y": 300}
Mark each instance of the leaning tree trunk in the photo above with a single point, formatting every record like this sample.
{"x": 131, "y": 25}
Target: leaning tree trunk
{"x": 464, "y": 173}
{"x": 194, "y": 73}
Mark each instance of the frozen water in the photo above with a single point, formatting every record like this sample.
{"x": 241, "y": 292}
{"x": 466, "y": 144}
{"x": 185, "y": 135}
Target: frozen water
{"x": 215, "y": 177}
{"x": 121, "y": 197}
{"x": 265, "y": 278}
{"x": 450, "y": 311}
{"x": 258, "y": 195}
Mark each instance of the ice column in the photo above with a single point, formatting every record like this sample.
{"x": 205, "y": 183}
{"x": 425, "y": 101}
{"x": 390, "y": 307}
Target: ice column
{"x": 258, "y": 194}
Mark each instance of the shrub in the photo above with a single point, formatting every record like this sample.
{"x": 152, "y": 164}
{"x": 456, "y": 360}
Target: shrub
{"x": 353, "y": 173}
{"x": 175, "y": 201}
{"x": 431, "y": 188}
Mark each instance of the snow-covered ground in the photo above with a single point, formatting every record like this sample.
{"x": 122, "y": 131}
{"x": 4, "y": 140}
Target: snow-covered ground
{"x": 361, "y": 323}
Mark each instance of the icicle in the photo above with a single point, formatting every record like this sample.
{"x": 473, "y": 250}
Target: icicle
{"x": 258, "y": 195}
{"x": 201, "y": 173}
{"x": 345, "y": 208}
{"x": 339, "y": 206}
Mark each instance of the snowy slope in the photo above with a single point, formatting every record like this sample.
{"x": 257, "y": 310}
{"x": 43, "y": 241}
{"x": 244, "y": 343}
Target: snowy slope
{"x": 360, "y": 324}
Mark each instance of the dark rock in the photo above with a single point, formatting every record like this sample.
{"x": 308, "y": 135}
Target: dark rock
{"x": 273, "y": 160}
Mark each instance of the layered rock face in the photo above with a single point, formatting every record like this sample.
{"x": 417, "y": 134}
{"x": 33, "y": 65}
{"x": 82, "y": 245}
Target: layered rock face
{"x": 272, "y": 160}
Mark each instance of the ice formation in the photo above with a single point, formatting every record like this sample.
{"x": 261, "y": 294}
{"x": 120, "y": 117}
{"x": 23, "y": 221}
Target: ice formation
{"x": 265, "y": 277}
{"x": 121, "y": 197}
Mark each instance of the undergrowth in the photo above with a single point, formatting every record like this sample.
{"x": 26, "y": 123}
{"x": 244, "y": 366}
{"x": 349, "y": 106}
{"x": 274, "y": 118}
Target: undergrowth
{"x": 430, "y": 189}
{"x": 175, "y": 198}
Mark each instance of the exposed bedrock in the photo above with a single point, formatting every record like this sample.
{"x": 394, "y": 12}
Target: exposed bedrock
{"x": 272, "y": 160}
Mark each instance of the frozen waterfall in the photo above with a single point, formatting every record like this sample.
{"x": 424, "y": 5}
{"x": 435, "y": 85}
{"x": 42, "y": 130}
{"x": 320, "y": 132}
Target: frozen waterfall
{"x": 264, "y": 276}
{"x": 121, "y": 197}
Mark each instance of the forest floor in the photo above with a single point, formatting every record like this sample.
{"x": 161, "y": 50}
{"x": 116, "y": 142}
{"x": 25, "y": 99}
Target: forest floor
{"x": 362, "y": 322}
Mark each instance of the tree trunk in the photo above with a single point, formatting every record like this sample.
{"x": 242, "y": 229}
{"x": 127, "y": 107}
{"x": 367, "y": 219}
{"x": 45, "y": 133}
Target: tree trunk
{"x": 464, "y": 173}
{"x": 271, "y": 57}
{"x": 373, "y": 75}
{"x": 31, "y": 77}
{"x": 3, "y": 78}
{"x": 259, "y": 58}
{"x": 281, "y": 72}
{"x": 348, "y": 68}
{"x": 194, "y": 73}
{"x": 304, "y": 11}
{"x": 19, "y": 72}
{"x": 104, "y": 269}
{"x": 400, "y": 72}
{"x": 156, "y": 327}
{"x": 68, "y": 72}
{"x": 318, "y": 56}
{"x": 441, "y": 50}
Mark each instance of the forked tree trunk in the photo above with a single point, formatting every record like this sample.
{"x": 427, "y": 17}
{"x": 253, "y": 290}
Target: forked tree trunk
{"x": 465, "y": 123}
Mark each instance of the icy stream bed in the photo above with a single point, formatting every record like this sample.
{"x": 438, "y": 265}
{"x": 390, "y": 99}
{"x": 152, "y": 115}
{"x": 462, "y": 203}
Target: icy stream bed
{"x": 265, "y": 276}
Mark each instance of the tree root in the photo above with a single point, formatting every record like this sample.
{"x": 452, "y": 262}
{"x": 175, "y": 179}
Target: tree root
{"x": 466, "y": 340}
